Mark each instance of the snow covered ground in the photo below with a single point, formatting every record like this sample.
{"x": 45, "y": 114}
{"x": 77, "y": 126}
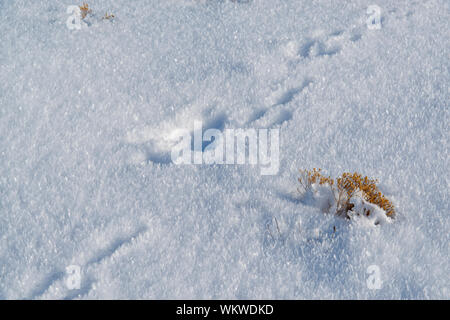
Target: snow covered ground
{"x": 85, "y": 171}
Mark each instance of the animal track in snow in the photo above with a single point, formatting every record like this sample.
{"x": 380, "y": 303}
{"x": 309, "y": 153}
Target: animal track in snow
{"x": 321, "y": 45}
{"x": 314, "y": 48}
{"x": 115, "y": 246}
{"x": 46, "y": 283}
{"x": 292, "y": 53}
{"x": 56, "y": 279}
{"x": 277, "y": 112}
{"x": 155, "y": 144}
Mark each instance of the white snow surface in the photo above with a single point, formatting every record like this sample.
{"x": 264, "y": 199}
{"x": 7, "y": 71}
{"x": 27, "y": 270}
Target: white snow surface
{"x": 85, "y": 171}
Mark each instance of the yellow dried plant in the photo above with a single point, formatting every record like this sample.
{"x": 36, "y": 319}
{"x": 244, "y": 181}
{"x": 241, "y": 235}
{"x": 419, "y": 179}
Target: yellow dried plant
{"x": 108, "y": 16}
{"x": 85, "y": 10}
{"x": 345, "y": 187}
